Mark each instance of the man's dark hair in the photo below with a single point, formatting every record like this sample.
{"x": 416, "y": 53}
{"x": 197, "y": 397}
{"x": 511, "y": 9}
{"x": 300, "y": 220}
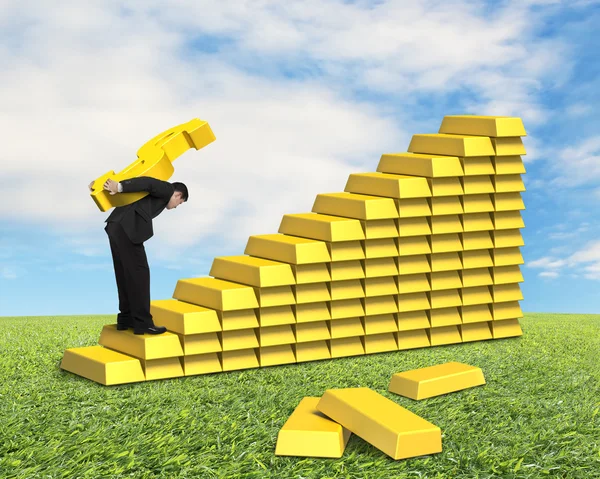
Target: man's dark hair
{"x": 182, "y": 189}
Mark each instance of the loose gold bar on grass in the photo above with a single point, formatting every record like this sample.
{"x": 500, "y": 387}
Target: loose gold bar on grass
{"x": 436, "y": 380}
{"x": 309, "y": 433}
{"x": 381, "y": 422}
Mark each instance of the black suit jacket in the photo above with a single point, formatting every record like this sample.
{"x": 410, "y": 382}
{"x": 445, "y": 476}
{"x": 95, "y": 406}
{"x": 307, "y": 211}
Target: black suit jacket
{"x": 136, "y": 218}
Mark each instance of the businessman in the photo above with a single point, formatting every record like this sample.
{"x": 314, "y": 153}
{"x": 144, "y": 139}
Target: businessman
{"x": 127, "y": 228}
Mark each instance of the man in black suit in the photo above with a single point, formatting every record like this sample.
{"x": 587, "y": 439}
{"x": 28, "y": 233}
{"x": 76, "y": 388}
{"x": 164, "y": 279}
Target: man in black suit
{"x": 127, "y": 228}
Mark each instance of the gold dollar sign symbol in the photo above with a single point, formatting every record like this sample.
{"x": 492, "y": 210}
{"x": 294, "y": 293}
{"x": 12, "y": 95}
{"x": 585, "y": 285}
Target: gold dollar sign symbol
{"x": 155, "y": 159}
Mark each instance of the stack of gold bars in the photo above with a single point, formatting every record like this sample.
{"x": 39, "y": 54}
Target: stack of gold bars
{"x": 423, "y": 252}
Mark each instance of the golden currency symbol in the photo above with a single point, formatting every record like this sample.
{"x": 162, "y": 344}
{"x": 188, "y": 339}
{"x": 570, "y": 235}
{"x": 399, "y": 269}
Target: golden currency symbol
{"x": 155, "y": 159}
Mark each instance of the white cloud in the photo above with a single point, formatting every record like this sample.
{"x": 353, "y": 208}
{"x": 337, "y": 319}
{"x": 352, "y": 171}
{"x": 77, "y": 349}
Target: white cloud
{"x": 579, "y": 164}
{"x": 548, "y": 274}
{"x": 90, "y": 82}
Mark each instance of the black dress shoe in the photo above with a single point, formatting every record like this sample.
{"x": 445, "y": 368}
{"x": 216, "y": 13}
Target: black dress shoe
{"x": 149, "y": 329}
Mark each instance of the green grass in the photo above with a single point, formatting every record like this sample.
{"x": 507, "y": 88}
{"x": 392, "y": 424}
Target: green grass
{"x": 537, "y": 416}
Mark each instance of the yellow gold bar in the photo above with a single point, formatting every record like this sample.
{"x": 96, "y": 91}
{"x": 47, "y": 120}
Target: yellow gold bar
{"x": 436, "y": 380}
{"x": 309, "y": 433}
{"x": 381, "y": 422}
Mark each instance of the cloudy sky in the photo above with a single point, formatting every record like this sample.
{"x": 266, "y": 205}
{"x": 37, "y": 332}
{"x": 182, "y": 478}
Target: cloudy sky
{"x": 299, "y": 96}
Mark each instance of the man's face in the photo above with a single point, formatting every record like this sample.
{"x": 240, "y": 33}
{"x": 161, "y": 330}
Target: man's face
{"x": 175, "y": 200}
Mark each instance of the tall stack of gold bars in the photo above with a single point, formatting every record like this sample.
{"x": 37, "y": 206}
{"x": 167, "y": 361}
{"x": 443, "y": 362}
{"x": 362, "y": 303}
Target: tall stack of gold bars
{"x": 423, "y": 252}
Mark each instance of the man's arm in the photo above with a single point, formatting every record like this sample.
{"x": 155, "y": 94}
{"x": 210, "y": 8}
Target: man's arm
{"x": 158, "y": 188}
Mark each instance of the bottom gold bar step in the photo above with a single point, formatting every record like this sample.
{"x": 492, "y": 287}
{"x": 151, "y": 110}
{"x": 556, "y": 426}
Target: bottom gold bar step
{"x": 102, "y": 365}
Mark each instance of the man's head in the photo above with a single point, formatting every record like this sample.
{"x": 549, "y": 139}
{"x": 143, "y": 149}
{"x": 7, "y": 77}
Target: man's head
{"x": 180, "y": 195}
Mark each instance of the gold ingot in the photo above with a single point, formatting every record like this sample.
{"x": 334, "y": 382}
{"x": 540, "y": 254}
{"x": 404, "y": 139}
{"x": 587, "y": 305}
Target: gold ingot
{"x": 310, "y": 332}
{"x": 508, "y": 165}
{"x": 375, "y": 229}
{"x": 346, "y": 250}
{"x": 350, "y": 205}
{"x": 476, "y": 295}
{"x": 275, "y": 355}
{"x": 276, "y": 335}
{"x": 343, "y": 270}
{"x": 391, "y": 186}
{"x": 476, "y": 277}
{"x": 239, "y": 359}
{"x": 239, "y": 319}
{"x": 253, "y": 271}
{"x": 507, "y": 274}
{"x": 308, "y": 433}
{"x": 215, "y": 293}
{"x": 102, "y": 365}
{"x": 287, "y": 249}
{"x": 447, "y": 205}
{"x": 480, "y": 203}
{"x": 479, "y": 331}
{"x": 381, "y": 323}
{"x": 321, "y": 227}
{"x": 305, "y": 313}
{"x": 381, "y": 286}
{"x": 380, "y": 343}
{"x": 445, "y": 298}
{"x": 312, "y": 351}
{"x": 375, "y": 267}
{"x": 508, "y": 201}
{"x": 201, "y": 364}
{"x": 155, "y": 159}
{"x": 381, "y": 422}
{"x": 445, "y": 335}
{"x": 453, "y": 145}
{"x": 446, "y": 243}
{"x": 476, "y": 313}
{"x": 479, "y": 184}
{"x": 411, "y": 320}
{"x": 311, "y": 273}
{"x": 352, "y": 288}
{"x": 413, "y": 302}
{"x": 445, "y": 280}
{"x": 413, "y": 283}
{"x": 478, "y": 165}
{"x": 476, "y": 259}
{"x": 436, "y": 380}
{"x": 417, "y": 338}
{"x": 506, "y": 328}
{"x": 493, "y": 126}
{"x": 444, "y": 317}
{"x": 508, "y": 310}
{"x": 239, "y": 339}
{"x": 417, "y": 226}
{"x": 144, "y": 346}
{"x": 415, "y": 164}
{"x": 380, "y": 305}
{"x": 446, "y": 186}
{"x": 276, "y": 316}
{"x": 414, "y": 264}
{"x": 411, "y": 207}
{"x": 344, "y": 347}
{"x": 472, "y": 240}
{"x": 508, "y": 183}
{"x": 345, "y": 328}
{"x": 381, "y": 248}
{"x": 446, "y": 261}
{"x": 202, "y": 343}
{"x": 508, "y": 146}
{"x": 184, "y": 318}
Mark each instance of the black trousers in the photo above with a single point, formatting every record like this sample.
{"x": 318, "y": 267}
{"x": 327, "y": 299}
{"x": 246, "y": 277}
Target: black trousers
{"x": 133, "y": 277}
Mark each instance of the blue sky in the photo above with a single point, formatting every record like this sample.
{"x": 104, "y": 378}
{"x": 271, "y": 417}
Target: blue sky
{"x": 299, "y": 95}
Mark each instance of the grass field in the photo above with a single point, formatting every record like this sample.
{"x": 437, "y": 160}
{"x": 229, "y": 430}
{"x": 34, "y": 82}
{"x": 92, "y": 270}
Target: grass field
{"x": 537, "y": 416}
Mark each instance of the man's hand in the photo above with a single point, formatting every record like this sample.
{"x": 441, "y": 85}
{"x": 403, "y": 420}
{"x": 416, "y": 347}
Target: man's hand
{"x": 111, "y": 186}
{"x": 90, "y": 186}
